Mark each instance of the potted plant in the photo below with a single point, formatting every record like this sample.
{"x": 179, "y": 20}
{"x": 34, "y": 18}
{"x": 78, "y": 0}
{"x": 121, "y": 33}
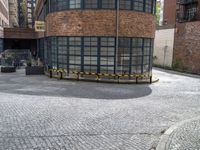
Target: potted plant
{"x": 33, "y": 70}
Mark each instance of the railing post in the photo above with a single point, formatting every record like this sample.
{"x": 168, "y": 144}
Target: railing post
{"x": 50, "y": 73}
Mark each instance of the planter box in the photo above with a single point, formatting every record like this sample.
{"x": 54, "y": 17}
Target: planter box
{"x": 35, "y": 70}
{"x": 8, "y": 69}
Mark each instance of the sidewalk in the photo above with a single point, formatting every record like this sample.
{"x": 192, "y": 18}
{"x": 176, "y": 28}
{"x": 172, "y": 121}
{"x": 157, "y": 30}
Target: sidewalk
{"x": 182, "y": 136}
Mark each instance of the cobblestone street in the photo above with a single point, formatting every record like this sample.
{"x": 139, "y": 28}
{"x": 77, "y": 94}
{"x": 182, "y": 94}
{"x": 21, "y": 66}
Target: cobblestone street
{"x": 40, "y": 113}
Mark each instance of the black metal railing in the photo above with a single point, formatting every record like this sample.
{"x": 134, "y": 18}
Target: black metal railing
{"x": 184, "y": 2}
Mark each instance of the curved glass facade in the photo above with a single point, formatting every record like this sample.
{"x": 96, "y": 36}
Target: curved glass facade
{"x": 147, "y": 6}
{"x": 99, "y": 54}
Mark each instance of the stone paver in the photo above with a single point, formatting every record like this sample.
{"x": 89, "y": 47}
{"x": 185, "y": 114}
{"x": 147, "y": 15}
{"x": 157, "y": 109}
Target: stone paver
{"x": 185, "y": 136}
{"x": 41, "y": 113}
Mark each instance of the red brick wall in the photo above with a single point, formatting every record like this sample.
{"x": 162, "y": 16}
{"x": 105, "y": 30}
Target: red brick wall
{"x": 169, "y": 14}
{"x": 100, "y": 23}
{"x": 187, "y": 47}
{"x": 19, "y": 33}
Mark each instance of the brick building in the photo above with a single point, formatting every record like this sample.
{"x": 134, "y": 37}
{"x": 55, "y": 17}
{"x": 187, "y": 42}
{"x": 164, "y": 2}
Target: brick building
{"x": 26, "y": 13}
{"x": 187, "y": 36}
{"x": 4, "y": 20}
{"x": 97, "y": 36}
{"x": 13, "y": 13}
{"x": 169, "y": 14}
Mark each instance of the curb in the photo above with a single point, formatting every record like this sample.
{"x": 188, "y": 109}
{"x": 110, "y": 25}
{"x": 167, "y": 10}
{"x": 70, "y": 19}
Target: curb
{"x": 165, "y": 137}
{"x": 154, "y": 80}
{"x": 186, "y": 74}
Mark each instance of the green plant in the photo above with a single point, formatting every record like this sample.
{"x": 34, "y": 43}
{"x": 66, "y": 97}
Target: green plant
{"x": 29, "y": 63}
{"x": 177, "y": 64}
{"x": 157, "y": 13}
{"x": 24, "y": 11}
{"x": 155, "y": 58}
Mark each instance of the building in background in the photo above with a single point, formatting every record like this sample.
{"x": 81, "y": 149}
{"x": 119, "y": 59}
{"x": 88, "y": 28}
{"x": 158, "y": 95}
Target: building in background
{"x": 4, "y": 20}
{"x": 21, "y": 13}
{"x": 187, "y": 36}
{"x": 177, "y": 42}
{"x": 169, "y": 12}
{"x": 20, "y": 35}
{"x": 26, "y": 13}
{"x": 13, "y": 13}
{"x": 30, "y": 13}
{"x": 164, "y": 38}
{"x": 92, "y": 36}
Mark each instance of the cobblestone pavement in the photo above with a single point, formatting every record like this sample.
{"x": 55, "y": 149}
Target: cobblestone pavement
{"x": 185, "y": 137}
{"x": 41, "y": 113}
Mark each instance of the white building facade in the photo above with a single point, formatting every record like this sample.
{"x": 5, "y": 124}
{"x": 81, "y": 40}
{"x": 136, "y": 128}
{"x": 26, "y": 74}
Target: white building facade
{"x": 4, "y": 19}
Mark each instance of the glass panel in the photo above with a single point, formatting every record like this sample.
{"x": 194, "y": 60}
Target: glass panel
{"x": 74, "y": 4}
{"x": 125, "y": 4}
{"x": 107, "y": 55}
{"x": 91, "y": 3}
{"x": 138, "y": 5}
{"x": 108, "y": 4}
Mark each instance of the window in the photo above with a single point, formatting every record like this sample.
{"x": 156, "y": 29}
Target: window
{"x": 61, "y": 5}
{"x": 108, "y": 4}
{"x": 191, "y": 12}
{"x": 138, "y": 5}
{"x": 89, "y": 4}
{"x": 75, "y": 53}
{"x": 147, "y": 54}
{"x": 41, "y": 49}
{"x": 123, "y": 61}
{"x": 137, "y": 52}
{"x": 107, "y": 55}
{"x": 73, "y": 4}
{"x": 90, "y": 54}
{"x": 125, "y": 4}
{"x": 98, "y": 54}
{"x": 62, "y": 53}
{"x": 148, "y": 6}
{"x": 54, "y": 54}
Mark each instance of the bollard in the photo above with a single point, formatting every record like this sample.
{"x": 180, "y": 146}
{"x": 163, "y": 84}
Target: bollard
{"x": 118, "y": 78}
{"x": 150, "y": 79}
{"x": 50, "y": 73}
{"x": 136, "y": 80}
{"x": 61, "y": 75}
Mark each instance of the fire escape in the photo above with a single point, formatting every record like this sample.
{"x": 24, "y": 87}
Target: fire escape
{"x": 187, "y": 10}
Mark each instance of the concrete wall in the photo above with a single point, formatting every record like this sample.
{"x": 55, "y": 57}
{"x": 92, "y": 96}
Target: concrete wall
{"x": 163, "y": 47}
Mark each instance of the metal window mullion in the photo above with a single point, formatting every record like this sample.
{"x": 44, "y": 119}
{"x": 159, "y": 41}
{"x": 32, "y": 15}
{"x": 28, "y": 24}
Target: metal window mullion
{"x": 99, "y": 4}
{"x": 82, "y": 4}
{"x": 57, "y": 52}
{"x": 144, "y": 5}
{"x": 117, "y": 33}
{"x": 68, "y": 55}
{"x": 99, "y": 55}
{"x": 151, "y": 55}
{"x": 142, "y": 67}
{"x": 132, "y": 7}
{"x": 130, "y": 59}
{"x": 82, "y": 54}
{"x": 115, "y": 59}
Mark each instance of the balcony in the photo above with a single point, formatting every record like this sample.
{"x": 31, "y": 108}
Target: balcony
{"x": 185, "y": 2}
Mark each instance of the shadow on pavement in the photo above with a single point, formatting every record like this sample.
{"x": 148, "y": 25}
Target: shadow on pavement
{"x": 43, "y": 86}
